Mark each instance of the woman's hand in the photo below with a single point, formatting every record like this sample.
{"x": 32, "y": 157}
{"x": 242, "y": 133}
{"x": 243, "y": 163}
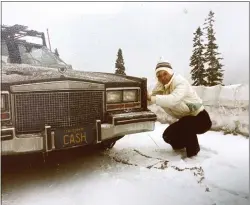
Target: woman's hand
{"x": 148, "y": 97}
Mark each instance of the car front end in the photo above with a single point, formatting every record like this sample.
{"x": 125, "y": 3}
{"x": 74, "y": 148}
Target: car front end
{"x": 43, "y": 111}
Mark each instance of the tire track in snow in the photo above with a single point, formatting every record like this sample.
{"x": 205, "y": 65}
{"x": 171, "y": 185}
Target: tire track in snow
{"x": 197, "y": 171}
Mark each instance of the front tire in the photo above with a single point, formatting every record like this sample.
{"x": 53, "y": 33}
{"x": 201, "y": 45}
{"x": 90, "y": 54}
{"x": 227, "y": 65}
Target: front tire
{"x": 109, "y": 144}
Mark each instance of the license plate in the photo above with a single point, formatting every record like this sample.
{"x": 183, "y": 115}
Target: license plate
{"x": 70, "y": 137}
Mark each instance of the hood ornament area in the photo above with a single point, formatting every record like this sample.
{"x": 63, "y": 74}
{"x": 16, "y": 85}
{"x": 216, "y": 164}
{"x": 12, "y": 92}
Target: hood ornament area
{"x": 62, "y": 70}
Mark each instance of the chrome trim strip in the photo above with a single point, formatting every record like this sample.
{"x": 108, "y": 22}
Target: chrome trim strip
{"x": 15, "y": 112}
{"x": 57, "y": 86}
{"x": 68, "y": 107}
{"x": 132, "y": 120}
{"x": 97, "y": 131}
{"x": 103, "y": 104}
{"x": 124, "y": 88}
{"x": 53, "y": 139}
{"x": 7, "y": 129}
{"x": 136, "y": 116}
{"x": 12, "y": 97}
{"x": 46, "y": 138}
{"x": 3, "y": 137}
{"x": 138, "y": 106}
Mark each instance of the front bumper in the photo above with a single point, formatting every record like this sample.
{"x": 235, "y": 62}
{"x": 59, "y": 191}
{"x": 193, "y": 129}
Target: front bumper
{"x": 121, "y": 125}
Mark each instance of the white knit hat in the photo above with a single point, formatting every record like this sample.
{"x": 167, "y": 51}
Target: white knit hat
{"x": 164, "y": 65}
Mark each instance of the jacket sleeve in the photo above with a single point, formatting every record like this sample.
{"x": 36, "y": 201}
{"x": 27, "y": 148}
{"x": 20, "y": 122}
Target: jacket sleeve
{"x": 175, "y": 97}
{"x": 158, "y": 89}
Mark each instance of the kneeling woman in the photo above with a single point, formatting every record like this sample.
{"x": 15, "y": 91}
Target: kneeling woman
{"x": 177, "y": 97}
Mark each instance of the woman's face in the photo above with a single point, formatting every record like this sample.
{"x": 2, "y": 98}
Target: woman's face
{"x": 163, "y": 77}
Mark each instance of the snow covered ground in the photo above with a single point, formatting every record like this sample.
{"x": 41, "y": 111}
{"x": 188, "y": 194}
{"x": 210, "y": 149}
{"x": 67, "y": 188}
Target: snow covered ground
{"x": 140, "y": 169}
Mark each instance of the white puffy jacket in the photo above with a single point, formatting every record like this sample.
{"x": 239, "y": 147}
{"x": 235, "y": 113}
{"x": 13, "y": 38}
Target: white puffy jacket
{"x": 177, "y": 98}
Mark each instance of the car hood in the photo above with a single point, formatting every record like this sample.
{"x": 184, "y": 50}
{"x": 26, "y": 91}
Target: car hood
{"x": 22, "y": 73}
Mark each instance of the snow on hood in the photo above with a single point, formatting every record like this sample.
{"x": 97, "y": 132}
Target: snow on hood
{"x": 12, "y": 73}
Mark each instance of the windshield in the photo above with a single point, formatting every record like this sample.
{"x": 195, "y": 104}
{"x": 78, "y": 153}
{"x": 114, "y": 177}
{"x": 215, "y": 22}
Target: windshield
{"x": 35, "y": 55}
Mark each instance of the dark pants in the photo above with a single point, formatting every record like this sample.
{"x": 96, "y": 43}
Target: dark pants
{"x": 182, "y": 134}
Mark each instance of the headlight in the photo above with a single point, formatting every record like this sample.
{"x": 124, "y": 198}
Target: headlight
{"x": 130, "y": 95}
{"x": 114, "y": 96}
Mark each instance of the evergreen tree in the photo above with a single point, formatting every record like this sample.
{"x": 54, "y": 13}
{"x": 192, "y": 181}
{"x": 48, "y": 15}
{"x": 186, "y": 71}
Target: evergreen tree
{"x": 197, "y": 60}
{"x": 214, "y": 72}
{"x": 119, "y": 64}
{"x": 56, "y": 52}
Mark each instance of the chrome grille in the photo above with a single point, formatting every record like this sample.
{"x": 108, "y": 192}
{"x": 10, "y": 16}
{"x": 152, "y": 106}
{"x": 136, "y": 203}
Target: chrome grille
{"x": 57, "y": 109}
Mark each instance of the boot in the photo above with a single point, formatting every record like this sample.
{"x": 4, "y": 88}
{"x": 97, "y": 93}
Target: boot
{"x": 192, "y": 151}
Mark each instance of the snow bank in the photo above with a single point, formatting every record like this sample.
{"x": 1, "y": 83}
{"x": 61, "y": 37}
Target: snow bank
{"x": 228, "y": 107}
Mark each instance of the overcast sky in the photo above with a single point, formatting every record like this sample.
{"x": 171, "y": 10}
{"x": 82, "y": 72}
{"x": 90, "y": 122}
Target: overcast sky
{"x": 88, "y": 35}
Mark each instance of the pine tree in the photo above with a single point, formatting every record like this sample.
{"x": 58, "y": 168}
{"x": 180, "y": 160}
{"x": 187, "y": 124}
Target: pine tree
{"x": 197, "y": 60}
{"x": 214, "y": 72}
{"x": 56, "y": 52}
{"x": 119, "y": 64}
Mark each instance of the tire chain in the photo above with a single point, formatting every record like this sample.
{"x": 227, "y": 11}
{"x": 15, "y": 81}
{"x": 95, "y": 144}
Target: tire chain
{"x": 198, "y": 172}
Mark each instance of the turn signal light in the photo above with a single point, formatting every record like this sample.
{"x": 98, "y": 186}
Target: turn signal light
{"x": 5, "y": 116}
